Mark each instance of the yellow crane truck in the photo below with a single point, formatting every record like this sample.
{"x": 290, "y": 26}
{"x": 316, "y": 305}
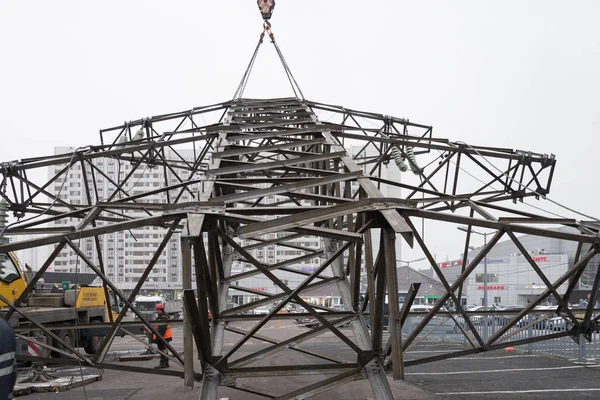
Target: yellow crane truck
{"x": 52, "y": 306}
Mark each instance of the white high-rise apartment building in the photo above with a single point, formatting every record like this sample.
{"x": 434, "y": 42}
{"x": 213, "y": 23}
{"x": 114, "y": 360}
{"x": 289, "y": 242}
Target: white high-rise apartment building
{"x": 125, "y": 255}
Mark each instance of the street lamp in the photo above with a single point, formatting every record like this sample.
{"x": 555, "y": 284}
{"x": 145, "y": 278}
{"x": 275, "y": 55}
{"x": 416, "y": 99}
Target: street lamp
{"x": 485, "y": 276}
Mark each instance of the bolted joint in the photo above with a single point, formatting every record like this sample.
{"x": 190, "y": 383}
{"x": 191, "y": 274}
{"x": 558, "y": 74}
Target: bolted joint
{"x": 596, "y": 244}
{"x": 365, "y": 357}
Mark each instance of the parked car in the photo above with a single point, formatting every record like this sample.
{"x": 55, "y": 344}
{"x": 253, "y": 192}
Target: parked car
{"x": 262, "y": 310}
{"x": 556, "y": 324}
{"x": 537, "y": 321}
{"x": 309, "y": 321}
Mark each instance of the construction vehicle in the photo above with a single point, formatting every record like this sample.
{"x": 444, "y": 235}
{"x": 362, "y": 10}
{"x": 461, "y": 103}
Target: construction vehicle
{"x": 66, "y": 305}
{"x": 146, "y": 305}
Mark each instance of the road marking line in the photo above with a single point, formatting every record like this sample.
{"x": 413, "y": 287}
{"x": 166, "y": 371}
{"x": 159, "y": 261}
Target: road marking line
{"x": 517, "y": 391}
{"x": 494, "y": 370}
{"x": 492, "y": 358}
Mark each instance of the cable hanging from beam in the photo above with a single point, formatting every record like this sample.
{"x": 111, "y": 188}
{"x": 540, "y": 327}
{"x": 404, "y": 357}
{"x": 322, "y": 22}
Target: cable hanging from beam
{"x": 266, "y": 8}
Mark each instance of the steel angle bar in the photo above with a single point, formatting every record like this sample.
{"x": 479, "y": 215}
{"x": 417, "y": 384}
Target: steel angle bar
{"x": 330, "y": 313}
{"x": 204, "y": 288}
{"x": 252, "y": 167}
{"x": 392, "y": 217}
{"x": 263, "y": 179}
{"x": 304, "y": 230}
{"x": 318, "y": 197}
{"x": 370, "y": 299}
{"x": 247, "y": 389}
{"x": 329, "y": 233}
{"x": 538, "y": 220}
{"x": 174, "y": 115}
{"x": 236, "y": 150}
{"x": 374, "y": 370}
{"x": 270, "y": 297}
{"x": 166, "y": 188}
{"x": 574, "y": 280}
{"x": 283, "y": 123}
{"x": 481, "y": 211}
{"x": 290, "y": 187}
{"x": 309, "y": 217}
{"x": 216, "y": 269}
{"x": 278, "y": 241}
{"x": 441, "y": 145}
{"x": 377, "y": 305}
{"x": 295, "y": 134}
{"x": 449, "y": 290}
{"x": 290, "y": 294}
{"x": 199, "y": 330}
{"x": 117, "y": 367}
{"x": 329, "y": 325}
{"x": 394, "y": 319}
{"x": 42, "y": 191}
{"x": 465, "y": 256}
{"x": 101, "y": 354}
{"x": 323, "y": 386}
{"x": 288, "y": 370}
{"x": 495, "y": 176}
{"x": 291, "y": 344}
{"x": 497, "y": 225}
{"x": 299, "y": 272}
{"x": 410, "y": 298}
{"x": 587, "y": 319}
{"x": 116, "y": 290}
{"x": 553, "y": 290}
{"x": 459, "y": 281}
{"x": 291, "y": 261}
{"x": 313, "y": 172}
{"x": 89, "y": 232}
{"x": 416, "y": 189}
{"x": 581, "y": 264}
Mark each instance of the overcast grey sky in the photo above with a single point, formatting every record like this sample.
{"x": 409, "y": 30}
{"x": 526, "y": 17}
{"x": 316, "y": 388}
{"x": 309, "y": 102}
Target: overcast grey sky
{"x": 518, "y": 74}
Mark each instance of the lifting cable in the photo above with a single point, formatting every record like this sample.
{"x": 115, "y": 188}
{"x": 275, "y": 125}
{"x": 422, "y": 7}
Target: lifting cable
{"x": 293, "y": 83}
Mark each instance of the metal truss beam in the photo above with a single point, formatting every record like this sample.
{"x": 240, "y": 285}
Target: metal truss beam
{"x": 266, "y": 175}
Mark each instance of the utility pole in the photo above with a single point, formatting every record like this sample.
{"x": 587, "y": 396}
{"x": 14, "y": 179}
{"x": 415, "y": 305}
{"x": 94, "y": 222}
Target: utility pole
{"x": 485, "y": 279}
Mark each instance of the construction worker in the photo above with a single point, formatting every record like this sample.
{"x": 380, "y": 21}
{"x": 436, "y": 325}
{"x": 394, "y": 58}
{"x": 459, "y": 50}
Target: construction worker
{"x": 8, "y": 369}
{"x": 165, "y": 332}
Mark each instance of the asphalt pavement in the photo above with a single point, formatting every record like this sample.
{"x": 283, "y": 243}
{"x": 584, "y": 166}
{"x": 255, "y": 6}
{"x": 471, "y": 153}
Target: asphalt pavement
{"x": 494, "y": 375}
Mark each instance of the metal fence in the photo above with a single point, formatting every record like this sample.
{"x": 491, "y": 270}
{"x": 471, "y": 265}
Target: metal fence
{"x": 445, "y": 329}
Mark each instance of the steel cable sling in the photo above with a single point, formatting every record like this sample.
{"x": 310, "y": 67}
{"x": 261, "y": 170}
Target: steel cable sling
{"x": 293, "y": 83}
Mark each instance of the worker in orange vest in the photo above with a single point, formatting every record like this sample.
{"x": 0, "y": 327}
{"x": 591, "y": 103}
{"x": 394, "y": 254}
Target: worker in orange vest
{"x": 165, "y": 331}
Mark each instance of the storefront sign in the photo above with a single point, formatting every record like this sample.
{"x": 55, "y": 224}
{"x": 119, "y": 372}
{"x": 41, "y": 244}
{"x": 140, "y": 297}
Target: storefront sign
{"x": 535, "y": 287}
{"x": 491, "y": 287}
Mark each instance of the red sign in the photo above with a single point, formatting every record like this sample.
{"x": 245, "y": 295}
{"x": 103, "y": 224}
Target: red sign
{"x": 450, "y": 264}
{"x": 491, "y": 287}
{"x": 540, "y": 258}
{"x": 259, "y": 289}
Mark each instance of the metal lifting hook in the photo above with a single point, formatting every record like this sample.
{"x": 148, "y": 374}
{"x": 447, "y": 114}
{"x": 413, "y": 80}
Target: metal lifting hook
{"x": 266, "y": 8}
